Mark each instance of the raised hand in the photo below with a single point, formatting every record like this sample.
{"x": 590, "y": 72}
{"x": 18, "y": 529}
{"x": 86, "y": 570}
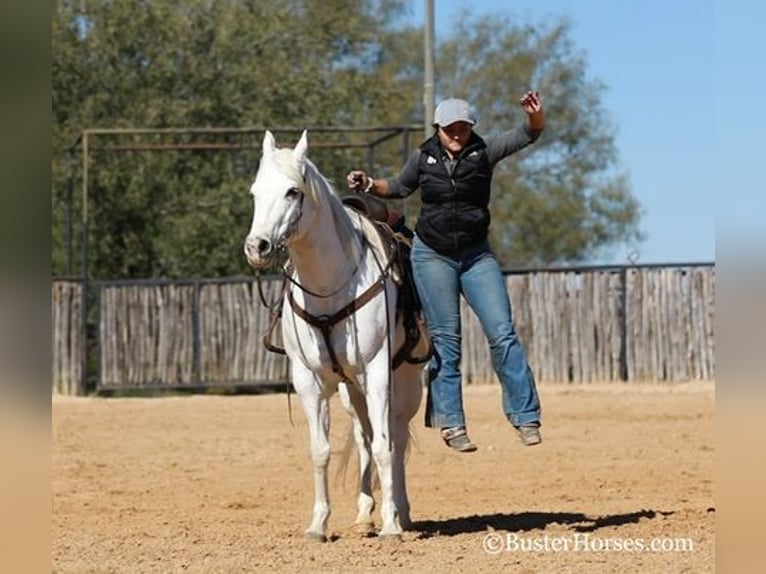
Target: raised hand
{"x": 531, "y": 102}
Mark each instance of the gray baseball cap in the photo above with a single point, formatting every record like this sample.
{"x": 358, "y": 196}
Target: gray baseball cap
{"x": 453, "y": 110}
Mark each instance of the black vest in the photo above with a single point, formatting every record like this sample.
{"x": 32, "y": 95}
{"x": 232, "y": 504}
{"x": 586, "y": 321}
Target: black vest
{"x": 455, "y": 212}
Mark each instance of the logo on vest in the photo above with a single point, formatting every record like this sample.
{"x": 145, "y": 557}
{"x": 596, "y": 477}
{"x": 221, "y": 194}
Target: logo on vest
{"x": 430, "y": 160}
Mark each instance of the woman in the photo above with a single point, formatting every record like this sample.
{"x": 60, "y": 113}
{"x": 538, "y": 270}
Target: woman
{"x": 451, "y": 256}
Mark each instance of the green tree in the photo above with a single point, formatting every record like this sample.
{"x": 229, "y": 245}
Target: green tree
{"x": 132, "y": 63}
{"x": 160, "y": 63}
{"x": 565, "y": 199}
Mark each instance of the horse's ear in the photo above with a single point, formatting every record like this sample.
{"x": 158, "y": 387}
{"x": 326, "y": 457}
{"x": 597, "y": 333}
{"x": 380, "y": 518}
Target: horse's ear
{"x": 269, "y": 143}
{"x": 299, "y": 153}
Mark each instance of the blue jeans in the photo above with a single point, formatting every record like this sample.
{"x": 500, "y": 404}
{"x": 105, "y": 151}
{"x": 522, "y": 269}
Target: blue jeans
{"x": 474, "y": 273}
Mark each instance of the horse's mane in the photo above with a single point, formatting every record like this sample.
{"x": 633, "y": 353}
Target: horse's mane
{"x": 320, "y": 191}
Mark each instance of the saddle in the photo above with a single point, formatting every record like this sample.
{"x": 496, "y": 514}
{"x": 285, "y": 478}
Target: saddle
{"x": 378, "y": 210}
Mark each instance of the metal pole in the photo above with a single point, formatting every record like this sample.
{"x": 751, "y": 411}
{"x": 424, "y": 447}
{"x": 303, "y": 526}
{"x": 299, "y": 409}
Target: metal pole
{"x": 624, "y": 324}
{"x": 69, "y": 238}
{"x": 84, "y": 266}
{"x": 428, "y": 83}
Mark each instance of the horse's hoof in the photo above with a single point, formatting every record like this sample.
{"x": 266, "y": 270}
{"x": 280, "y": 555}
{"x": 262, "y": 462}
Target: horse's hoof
{"x": 316, "y": 537}
{"x": 390, "y": 537}
{"x": 363, "y": 529}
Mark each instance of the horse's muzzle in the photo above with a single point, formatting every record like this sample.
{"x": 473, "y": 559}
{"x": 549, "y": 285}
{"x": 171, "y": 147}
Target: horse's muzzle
{"x": 258, "y": 251}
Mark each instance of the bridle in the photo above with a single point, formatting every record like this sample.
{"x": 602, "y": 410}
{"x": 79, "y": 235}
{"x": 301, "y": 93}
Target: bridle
{"x": 325, "y": 322}
{"x": 292, "y": 225}
{"x": 292, "y": 228}
{"x": 317, "y": 320}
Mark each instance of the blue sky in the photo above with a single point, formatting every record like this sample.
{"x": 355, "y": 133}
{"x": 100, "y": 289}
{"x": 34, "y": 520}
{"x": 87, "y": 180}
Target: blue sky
{"x": 657, "y": 60}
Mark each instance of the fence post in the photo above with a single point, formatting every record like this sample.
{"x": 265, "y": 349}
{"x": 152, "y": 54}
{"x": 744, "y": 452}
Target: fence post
{"x": 196, "y": 343}
{"x": 624, "y": 323}
{"x": 98, "y": 288}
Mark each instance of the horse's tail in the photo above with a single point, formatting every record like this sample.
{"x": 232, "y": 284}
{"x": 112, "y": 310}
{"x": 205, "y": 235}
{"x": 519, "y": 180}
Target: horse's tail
{"x": 348, "y": 446}
{"x": 345, "y": 456}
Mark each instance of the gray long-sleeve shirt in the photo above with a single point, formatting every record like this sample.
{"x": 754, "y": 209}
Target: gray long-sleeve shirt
{"x": 498, "y": 147}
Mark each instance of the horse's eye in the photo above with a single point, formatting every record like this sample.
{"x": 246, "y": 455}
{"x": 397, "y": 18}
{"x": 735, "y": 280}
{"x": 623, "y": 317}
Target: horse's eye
{"x": 292, "y": 193}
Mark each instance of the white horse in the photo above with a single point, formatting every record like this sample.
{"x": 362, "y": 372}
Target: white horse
{"x": 340, "y": 328}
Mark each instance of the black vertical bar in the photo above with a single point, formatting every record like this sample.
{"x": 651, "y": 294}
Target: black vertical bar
{"x": 69, "y": 215}
{"x": 624, "y": 323}
{"x": 99, "y": 347}
{"x": 84, "y": 311}
{"x": 84, "y": 266}
{"x": 196, "y": 351}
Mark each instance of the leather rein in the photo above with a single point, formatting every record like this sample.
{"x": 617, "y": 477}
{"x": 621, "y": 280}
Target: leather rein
{"x": 324, "y": 322}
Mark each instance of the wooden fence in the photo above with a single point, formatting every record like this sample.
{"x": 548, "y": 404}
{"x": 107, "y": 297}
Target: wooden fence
{"x": 600, "y": 324}
{"x": 185, "y": 334}
{"x": 67, "y": 337}
{"x": 574, "y": 329}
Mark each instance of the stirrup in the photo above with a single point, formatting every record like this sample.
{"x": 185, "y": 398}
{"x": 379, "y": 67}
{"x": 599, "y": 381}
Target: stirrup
{"x": 457, "y": 439}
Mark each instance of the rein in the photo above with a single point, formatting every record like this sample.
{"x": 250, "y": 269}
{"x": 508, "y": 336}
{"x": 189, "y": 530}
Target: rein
{"x": 326, "y": 322}
{"x": 275, "y": 312}
{"x": 338, "y": 290}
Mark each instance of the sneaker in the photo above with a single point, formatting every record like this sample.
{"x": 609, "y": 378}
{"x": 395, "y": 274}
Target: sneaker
{"x": 530, "y": 434}
{"x": 457, "y": 439}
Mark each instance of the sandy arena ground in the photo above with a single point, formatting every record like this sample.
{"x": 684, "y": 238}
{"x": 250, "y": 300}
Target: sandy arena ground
{"x": 223, "y": 484}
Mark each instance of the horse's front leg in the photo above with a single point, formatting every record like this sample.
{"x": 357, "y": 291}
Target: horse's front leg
{"x": 378, "y": 406}
{"x": 353, "y": 401}
{"x": 317, "y": 409}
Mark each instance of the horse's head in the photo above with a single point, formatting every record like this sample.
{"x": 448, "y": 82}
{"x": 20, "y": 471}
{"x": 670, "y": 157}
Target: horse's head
{"x": 278, "y": 194}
